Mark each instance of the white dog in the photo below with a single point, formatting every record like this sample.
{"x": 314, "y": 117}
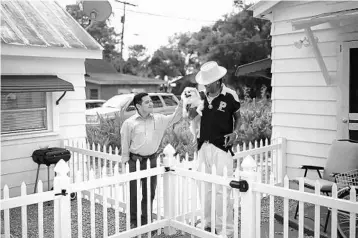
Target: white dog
{"x": 191, "y": 96}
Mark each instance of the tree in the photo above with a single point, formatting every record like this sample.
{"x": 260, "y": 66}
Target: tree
{"x": 237, "y": 39}
{"x": 105, "y": 35}
{"x": 137, "y": 63}
{"x": 167, "y": 61}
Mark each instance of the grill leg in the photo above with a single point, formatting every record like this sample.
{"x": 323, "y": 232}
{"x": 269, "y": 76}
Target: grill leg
{"x": 37, "y": 177}
{"x": 48, "y": 178}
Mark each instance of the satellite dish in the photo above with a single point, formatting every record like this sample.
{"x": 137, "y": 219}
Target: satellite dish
{"x": 99, "y": 10}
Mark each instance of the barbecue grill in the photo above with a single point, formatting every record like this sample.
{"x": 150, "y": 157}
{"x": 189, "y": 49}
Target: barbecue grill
{"x": 49, "y": 156}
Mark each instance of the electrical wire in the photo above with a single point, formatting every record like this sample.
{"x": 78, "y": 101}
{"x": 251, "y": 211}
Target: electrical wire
{"x": 240, "y": 42}
{"x": 174, "y": 17}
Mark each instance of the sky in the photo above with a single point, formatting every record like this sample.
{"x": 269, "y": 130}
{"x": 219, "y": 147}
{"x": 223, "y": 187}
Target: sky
{"x": 154, "y": 31}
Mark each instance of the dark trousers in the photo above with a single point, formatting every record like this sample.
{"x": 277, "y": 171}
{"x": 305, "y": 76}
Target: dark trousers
{"x": 133, "y": 189}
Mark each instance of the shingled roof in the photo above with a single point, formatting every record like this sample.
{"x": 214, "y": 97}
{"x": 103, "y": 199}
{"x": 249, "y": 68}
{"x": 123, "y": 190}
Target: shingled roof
{"x": 103, "y": 73}
{"x": 42, "y": 23}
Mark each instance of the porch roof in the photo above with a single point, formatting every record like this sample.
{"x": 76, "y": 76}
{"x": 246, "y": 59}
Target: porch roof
{"x": 253, "y": 67}
{"x": 305, "y": 22}
{"x": 120, "y": 79}
{"x": 34, "y": 83}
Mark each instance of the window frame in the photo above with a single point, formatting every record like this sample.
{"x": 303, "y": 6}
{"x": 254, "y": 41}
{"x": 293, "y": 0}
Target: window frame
{"x": 97, "y": 93}
{"x": 52, "y": 122}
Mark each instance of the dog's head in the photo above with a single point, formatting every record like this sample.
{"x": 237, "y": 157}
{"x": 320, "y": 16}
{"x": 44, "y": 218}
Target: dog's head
{"x": 190, "y": 94}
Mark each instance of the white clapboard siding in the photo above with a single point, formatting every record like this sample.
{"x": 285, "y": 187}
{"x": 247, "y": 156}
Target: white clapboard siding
{"x": 290, "y": 37}
{"x": 72, "y": 119}
{"x": 292, "y": 10}
{"x": 304, "y": 108}
{"x": 306, "y": 93}
{"x": 7, "y": 166}
{"x": 325, "y": 108}
{"x": 307, "y": 149}
{"x": 16, "y": 162}
{"x": 35, "y": 65}
{"x": 10, "y": 152}
{"x": 300, "y": 79}
{"x": 303, "y": 65}
{"x": 78, "y": 131}
{"x": 307, "y": 135}
{"x": 76, "y": 105}
{"x": 328, "y": 49}
{"x": 305, "y": 121}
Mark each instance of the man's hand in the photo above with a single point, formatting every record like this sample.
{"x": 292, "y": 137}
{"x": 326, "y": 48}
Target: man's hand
{"x": 230, "y": 138}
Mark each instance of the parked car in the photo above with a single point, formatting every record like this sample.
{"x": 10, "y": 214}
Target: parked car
{"x": 164, "y": 103}
{"x": 94, "y": 103}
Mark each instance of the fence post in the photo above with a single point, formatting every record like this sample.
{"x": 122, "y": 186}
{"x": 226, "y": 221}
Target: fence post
{"x": 63, "y": 204}
{"x": 282, "y": 160}
{"x": 169, "y": 187}
{"x": 248, "y": 206}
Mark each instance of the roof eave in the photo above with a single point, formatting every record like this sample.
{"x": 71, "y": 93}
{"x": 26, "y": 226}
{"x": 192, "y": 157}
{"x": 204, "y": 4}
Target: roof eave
{"x": 262, "y": 9}
{"x": 51, "y": 52}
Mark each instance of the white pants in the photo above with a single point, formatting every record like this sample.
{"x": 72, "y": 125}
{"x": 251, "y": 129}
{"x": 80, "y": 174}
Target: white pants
{"x": 211, "y": 155}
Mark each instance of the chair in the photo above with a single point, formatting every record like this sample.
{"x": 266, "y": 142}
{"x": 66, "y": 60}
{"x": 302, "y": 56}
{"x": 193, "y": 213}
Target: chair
{"x": 342, "y": 157}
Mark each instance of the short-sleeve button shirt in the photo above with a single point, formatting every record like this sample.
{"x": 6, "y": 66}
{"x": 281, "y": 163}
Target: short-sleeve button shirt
{"x": 218, "y": 120}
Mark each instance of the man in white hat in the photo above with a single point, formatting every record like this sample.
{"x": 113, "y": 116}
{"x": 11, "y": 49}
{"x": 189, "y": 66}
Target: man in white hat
{"x": 219, "y": 128}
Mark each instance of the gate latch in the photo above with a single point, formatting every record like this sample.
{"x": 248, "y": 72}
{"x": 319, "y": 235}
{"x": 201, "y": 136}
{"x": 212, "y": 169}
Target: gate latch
{"x": 62, "y": 193}
{"x": 242, "y": 185}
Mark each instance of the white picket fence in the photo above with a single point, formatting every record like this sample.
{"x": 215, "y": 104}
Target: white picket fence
{"x": 344, "y": 213}
{"x": 270, "y": 158}
{"x": 182, "y": 207}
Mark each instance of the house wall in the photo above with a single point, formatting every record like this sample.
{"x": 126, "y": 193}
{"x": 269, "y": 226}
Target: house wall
{"x": 90, "y": 86}
{"x": 107, "y": 91}
{"x": 304, "y": 108}
{"x": 17, "y": 165}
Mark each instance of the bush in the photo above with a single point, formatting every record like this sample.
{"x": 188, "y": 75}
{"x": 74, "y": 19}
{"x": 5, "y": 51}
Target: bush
{"x": 106, "y": 133}
{"x": 256, "y": 120}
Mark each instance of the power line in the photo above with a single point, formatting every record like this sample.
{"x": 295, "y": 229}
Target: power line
{"x": 239, "y": 42}
{"x": 179, "y": 18}
{"x": 173, "y": 17}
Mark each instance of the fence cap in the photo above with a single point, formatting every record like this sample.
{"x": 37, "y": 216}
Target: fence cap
{"x": 61, "y": 168}
{"x": 169, "y": 150}
{"x": 248, "y": 163}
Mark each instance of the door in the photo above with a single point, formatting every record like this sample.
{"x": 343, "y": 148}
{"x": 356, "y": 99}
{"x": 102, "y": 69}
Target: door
{"x": 349, "y": 92}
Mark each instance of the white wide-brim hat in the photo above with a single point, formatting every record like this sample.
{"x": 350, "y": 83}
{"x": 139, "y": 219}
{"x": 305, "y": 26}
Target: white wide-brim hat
{"x": 209, "y": 73}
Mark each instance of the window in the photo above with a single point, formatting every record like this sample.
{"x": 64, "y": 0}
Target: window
{"x": 156, "y": 101}
{"x": 93, "y": 93}
{"x": 25, "y": 111}
{"x": 169, "y": 100}
{"x": 130, "y": 107}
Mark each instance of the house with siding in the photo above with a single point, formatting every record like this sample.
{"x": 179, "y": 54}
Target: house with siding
{"x": 314, "y": 76}
{"x": 103, "y": 81}
{"x": 43, "y": 50}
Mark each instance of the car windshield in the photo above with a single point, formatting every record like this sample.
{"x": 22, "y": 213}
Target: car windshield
{"x": 118, "y": 101}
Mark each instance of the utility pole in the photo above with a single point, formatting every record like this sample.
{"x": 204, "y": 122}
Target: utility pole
{"x": 123, "y": 19}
